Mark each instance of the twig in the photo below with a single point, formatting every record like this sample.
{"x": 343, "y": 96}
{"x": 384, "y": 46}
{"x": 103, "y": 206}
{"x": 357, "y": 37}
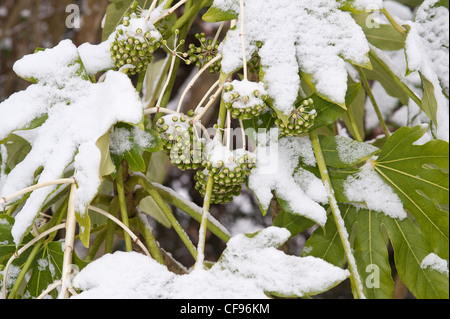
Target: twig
{"x": 71, "y": 223}
{"x": 169, "y": 11}
{"x": 192, "y": 82}
{"x": 207, "y": 94}
{"x": 241, "y": 35}
{"x": 6, "y": 199}
{"x": 207, "y": 106}
{"x": 124, "y": 227}
{"x": 49, "y": 289}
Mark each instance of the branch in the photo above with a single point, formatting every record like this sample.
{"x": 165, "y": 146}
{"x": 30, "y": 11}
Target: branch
{"x": 6, "y": 199}
{"x": 124, "y": 227}
{"x": 343, "y": 234}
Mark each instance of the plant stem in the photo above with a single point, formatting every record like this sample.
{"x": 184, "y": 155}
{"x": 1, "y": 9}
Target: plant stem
{"x": 69, "y": 245}
{"x": 355, "y": 128}
{"x": 24, "y": 271}
{"x": 343, "y": 234}
{"x": 394, "y": 23}
{"x": 123, "y": 207}
{"x": 170, "y": 11}
{"x": 203, "y": 224}
{"x": 141, "y": 180}
{"x": 6, "y": 199}
{"x": 110, "y": 226}
{"x": 373, "y": 100}
{"x": 123, "y": 226}
{"x": 241, "y": 35}
{"x": 192, "y": 210}
{"x": 151, "y": 242}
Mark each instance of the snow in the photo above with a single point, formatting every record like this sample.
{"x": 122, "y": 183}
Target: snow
{"x": 277, "y": 162}
{"x": 75, "y": 123}
{"x": 351, "y": 151}
{"x": 436, "y": 263}
{"x": 368, "y": 187}
{"x": 292, "y": 36}
{"x": 427, "y": 51}
{"x": 97, "y": 57}
{"x": 249, "y": 267}
{"x": 122, "y": 139}
{"x": 245, "y": 88}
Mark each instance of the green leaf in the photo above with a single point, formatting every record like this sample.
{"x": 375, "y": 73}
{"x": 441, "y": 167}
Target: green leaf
{"x": 107, "y": 166}
{"x": 327, "y": 112}
{"x": 419, "y": 176}
{"x": 293, "y": 222}
{"x": 410, "y": 248}
{"x": 429, "y": 102}
{"x": 326, "y": 244}
{"x": 343, "y": 152}
{"x": 135, "y": 160}
{"x": 149, "y": 207}
{"x": 371, "y": 254}
{"x": 383, "y": 36}
{"x": 217, "y": 15}
{"x": 356, "y": 109}
{"x": 388, "y": 79}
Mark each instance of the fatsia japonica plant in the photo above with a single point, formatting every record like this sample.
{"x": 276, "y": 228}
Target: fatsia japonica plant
{"x": 342, "y": 109}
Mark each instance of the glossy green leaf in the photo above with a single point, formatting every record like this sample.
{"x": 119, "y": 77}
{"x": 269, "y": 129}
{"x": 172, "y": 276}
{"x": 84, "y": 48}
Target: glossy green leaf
{"x": 149, "y": 207}
{"x": 326, "y": 244}
{"x": 293, "y": 222}
{"x": 383, "y": 36}
{"x": 217, "y": 15}
{"x": 419, "y": 176}
{"x": 371, "y": 254}
{"x": 343, "y": 152}
{"x": 410, "y": 248}
{"x": 429, "y": 102}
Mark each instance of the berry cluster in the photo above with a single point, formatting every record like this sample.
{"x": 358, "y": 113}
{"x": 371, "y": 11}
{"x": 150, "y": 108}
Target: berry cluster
{"x": 228, "y": 175}
{"x": 181, "y": 141}
{"x": 300, "y": 120}
{"x": 245, "y": 99}
{"x": 203, "y": 54}
{"x": 135, "y": 42}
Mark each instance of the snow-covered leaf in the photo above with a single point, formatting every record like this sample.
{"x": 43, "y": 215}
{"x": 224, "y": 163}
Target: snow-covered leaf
{"x": 276, "y": 170}
{"x": 342, "y": 152}
{"x": 78, "y": 113}
{"x": 250, "y": 267}
{"x": 427, "y": 51}
{"x": 292, "y": 36}
{"x": 418, "y": 174}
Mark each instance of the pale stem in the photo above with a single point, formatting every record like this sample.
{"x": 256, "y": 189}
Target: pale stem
{"x": 6, "y": 199}
{"x": 219, "y": 31}
{"x": 150, "y": 10}
{"x": 228, "y": 129}
{"x": 192, "y": 82}
{"x": 123, "y": 226}
{"x": 71, "y": 223}
{"x": 207, "y": 95}
{"x": 207, "y": 106}
{"x": 49, "y": 289}
{"x": 166, "y": 85}
{"x": 244, "y": 140}
{"x": 169, "y": 11}
{"x": 24, "y": 248}
{"x": 241, "y": 35}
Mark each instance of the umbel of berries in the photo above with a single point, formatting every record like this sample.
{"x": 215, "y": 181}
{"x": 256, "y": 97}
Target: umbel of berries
{"x": 181, "y": 141}
{"x": 229, "y": 169}
{"x": 135, "y": 42}
{"x": 245, "y": 99}
{"x": 300, "y": 120}
{"x": 203, "y": 54}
